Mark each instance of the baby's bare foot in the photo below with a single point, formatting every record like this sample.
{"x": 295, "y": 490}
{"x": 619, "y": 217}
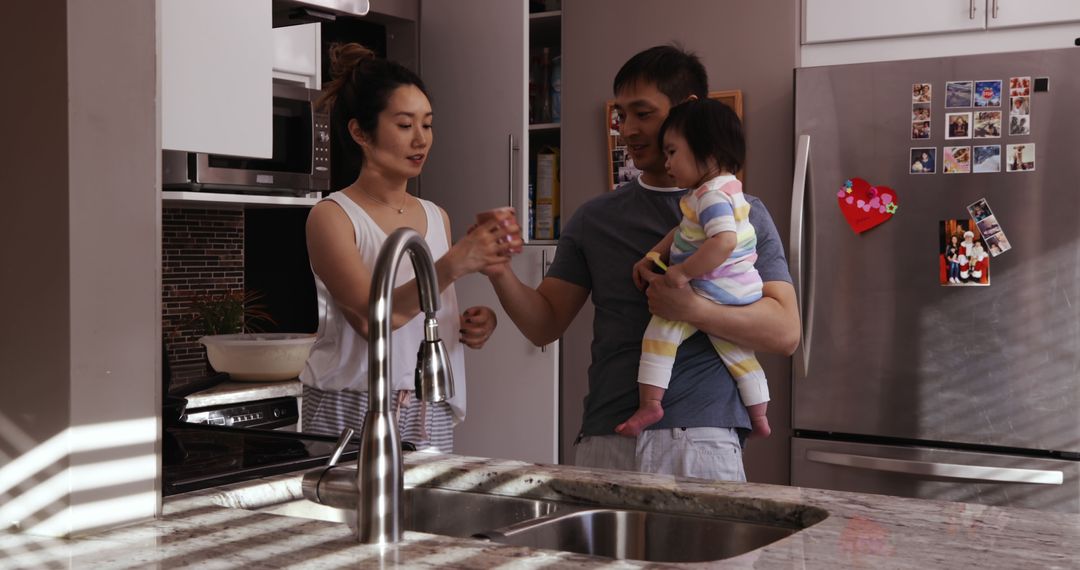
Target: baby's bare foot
{"x": 648, "y": 414}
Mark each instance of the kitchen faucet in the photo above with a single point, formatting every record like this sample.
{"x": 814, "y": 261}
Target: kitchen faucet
{"x": 377, "y": 494}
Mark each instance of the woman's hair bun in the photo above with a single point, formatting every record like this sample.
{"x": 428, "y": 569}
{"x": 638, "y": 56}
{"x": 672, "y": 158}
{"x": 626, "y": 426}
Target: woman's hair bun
{"x": 344, "y": 61}
{"x": 344, "y": 58}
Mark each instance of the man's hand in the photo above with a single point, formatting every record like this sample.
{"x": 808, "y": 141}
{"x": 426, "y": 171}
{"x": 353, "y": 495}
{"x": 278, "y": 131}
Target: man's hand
{"x": 676, "y": 277}
{"x": 672, "y": 303}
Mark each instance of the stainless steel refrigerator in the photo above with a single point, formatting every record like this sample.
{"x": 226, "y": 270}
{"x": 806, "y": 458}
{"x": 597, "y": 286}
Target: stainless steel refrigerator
{"x": 907, "y": 386}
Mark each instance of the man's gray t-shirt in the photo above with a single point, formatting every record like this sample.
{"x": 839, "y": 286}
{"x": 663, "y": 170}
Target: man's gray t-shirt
{"x": 597, "y": 250}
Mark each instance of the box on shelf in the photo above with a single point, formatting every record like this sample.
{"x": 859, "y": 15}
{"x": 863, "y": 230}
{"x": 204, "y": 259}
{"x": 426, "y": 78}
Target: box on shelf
{"x": 546, "y": 224}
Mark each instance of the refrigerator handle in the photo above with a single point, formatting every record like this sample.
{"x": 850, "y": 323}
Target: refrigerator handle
{"x": 798, "y": 214}
{"x": 943, "y": 470}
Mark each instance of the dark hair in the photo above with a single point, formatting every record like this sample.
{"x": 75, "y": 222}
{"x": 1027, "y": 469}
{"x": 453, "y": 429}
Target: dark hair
{"x": 360, "y": 89}
{"x": 711, "y": 129}
{"x": 675, "y": 71}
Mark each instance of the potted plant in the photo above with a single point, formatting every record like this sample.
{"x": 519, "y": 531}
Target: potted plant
{"x": 229, "y": 313}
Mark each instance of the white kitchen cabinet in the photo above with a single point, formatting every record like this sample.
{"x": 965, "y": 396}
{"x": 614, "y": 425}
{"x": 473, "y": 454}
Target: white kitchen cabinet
{"x": 513, "y": 386}
{"x": 839, "y": 20}
{"x": 474, "y": 60}
{"x": 297, "y": 54}
{"x": 842, "y": 20}
{"x": 216, "y": 65}
{"x": 1008, "y": 13}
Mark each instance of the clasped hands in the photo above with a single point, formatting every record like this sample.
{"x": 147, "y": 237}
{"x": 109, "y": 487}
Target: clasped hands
{"x": 499, "y": 236}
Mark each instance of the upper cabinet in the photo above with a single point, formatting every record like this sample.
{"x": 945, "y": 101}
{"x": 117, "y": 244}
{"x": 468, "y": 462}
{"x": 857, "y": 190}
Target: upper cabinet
{"x": 842, "y": 20}
{"x": 1008, "y": 13}
{"x": 493, "y": 70}
{"x": 297, "y": 54}
{"x": 473, "y": 58}
{"x": 216, "y": 69}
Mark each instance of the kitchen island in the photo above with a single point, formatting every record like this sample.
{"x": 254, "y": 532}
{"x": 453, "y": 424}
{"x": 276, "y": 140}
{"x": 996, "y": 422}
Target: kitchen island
{"x": 216, "y": 528}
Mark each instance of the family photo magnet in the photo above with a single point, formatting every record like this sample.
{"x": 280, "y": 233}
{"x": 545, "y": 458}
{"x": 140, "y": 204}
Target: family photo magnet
{"x": 962, "y": 258}
{"x": 988, "y": 226}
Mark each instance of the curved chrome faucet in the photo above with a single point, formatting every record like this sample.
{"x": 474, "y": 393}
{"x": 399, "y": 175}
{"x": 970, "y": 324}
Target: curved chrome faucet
{"x": 380, "y": 509}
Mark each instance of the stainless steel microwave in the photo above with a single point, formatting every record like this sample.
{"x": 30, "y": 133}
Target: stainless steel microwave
{"x": 301, "y": 154}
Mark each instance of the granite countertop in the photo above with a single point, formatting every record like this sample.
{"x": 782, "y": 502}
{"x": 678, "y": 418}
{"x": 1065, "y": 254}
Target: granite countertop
{"x": 861, "y": 531}
{"x": 233, "y": 392}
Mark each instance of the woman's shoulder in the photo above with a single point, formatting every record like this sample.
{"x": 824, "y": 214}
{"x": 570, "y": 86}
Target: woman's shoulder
{"x": 434, "y": 209}
{"x": 326, "y": 210}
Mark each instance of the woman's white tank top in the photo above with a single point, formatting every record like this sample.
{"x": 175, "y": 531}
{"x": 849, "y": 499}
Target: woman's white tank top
{"x": 339, "y": 357}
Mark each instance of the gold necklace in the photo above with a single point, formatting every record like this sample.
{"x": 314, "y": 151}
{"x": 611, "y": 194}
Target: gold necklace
{"x": 400, "y": 210}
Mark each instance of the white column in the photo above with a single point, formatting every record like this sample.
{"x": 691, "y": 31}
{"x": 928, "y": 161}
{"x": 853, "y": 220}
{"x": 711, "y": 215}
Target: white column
{"x": 80, "y": 251}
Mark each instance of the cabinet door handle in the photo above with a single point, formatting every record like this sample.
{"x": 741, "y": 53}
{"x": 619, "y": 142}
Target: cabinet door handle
{"x": 971, "y": 9}
{"x": 543, "y": 271}
{"x": 994, "y": 9}
{"x": 510, "y": 168}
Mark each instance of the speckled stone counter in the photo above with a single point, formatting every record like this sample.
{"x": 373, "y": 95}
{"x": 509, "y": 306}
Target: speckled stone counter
{"x": 236, "y": 392}
{"x": 860, "y": 531}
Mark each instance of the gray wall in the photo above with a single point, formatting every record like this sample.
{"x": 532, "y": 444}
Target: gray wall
{"x": 745, "y": 44}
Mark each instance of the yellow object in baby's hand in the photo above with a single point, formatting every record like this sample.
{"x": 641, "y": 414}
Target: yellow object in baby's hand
{"x": 654, "y": 256}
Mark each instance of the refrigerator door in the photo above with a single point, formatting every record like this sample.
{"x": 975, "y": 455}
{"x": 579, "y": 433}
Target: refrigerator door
{"x": 928, "y": 473}
{"x": 888, "y": 350}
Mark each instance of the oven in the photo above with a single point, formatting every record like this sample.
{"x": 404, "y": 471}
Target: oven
{"x": 274, "y": 413}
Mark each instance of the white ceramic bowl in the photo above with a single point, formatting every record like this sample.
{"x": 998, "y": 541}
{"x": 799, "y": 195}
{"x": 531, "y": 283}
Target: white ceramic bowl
{"x": 258, "y": 356}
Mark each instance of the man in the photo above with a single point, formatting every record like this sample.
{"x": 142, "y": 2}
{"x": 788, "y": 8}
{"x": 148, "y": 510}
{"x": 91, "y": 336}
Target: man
{"x": 704, "y": 422}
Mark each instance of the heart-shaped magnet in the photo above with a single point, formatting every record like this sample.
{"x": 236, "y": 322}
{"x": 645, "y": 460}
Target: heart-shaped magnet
{"x": 865, "y": 206}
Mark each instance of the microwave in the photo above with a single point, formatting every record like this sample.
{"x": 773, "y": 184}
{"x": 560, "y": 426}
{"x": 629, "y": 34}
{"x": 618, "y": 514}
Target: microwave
{"x": 299, "y": 166}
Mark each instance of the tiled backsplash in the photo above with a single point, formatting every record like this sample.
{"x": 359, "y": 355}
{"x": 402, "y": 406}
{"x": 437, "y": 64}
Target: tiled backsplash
{"x": 202, "y": 252}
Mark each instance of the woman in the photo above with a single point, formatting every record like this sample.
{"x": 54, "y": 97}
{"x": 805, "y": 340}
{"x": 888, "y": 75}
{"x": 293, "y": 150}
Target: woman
{"x": 381, "y": 113}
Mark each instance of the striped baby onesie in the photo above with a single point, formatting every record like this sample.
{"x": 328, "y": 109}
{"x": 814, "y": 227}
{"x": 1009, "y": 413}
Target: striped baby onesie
{"x": 717, "y": 206}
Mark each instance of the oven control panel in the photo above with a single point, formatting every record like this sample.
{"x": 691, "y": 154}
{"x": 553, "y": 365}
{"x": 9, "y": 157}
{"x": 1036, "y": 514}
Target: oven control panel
{"x": 272, "y": 413}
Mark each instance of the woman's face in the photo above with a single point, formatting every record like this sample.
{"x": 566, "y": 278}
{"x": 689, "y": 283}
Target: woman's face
{"x": 925, "y": 157}
{"x": 403, "y": 135}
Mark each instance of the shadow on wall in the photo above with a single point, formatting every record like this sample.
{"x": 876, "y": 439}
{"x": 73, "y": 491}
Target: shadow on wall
{"x": 106, "y": 467}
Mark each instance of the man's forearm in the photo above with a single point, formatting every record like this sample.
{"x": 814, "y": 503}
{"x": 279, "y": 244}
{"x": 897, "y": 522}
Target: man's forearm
{"x": 530, "y": 311}
{"x": 761, "y": 326}
{"x": 770, "y": 324}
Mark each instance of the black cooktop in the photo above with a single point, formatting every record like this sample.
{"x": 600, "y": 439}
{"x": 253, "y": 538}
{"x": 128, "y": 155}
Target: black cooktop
{"x": 200, "y": 456}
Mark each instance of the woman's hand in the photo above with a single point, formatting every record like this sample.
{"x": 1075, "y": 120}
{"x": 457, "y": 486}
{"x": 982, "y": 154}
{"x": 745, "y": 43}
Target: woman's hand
{"x": 487, "y": 243}
{"x": 477, "y": 324}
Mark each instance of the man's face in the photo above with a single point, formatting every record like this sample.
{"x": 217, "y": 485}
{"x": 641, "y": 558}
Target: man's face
{"x": 642, "y": 109}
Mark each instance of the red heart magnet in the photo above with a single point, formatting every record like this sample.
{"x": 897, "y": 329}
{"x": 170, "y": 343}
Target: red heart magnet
{"x": 865, "y": 206}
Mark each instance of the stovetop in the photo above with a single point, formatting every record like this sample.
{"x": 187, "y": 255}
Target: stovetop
{"x": 201, "y": 456}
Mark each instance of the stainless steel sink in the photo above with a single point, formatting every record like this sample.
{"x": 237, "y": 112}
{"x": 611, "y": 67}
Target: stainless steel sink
{"x": 639, "y": 535}
{"x": 553, "y": 525}
{"x": 437, "y": 511}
